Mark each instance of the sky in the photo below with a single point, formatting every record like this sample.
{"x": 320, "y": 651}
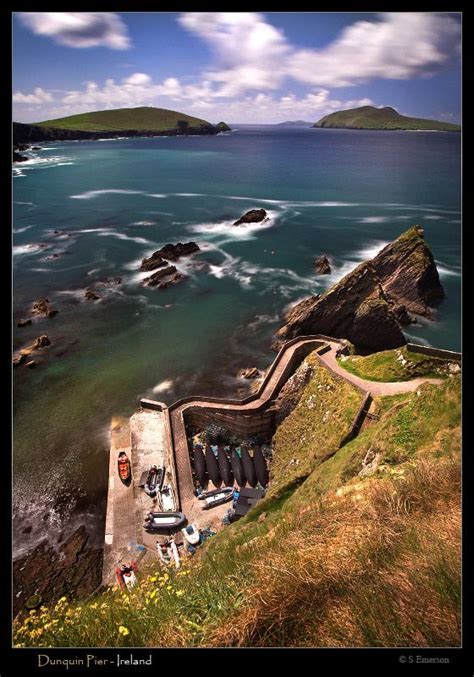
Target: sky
{"x": 239, "y": 67}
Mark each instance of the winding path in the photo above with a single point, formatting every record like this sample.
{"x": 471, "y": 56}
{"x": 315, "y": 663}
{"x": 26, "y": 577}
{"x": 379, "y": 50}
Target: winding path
{"x": 373, "y": 387}
{"x": 284, "y": 365}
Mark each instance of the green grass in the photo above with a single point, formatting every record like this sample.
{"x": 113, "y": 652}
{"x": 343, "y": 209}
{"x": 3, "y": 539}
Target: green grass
{"x": 126, "y": 119}
{"x": 328, "y": 558}
{"x": 394, "y": 365}
{"x": 368, "y": 117}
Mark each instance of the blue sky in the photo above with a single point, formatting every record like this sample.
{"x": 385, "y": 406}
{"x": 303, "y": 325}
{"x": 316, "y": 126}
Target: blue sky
{"x": 238, "y": 66}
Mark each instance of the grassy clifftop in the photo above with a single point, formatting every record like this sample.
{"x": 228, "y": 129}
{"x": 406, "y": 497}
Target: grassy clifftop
{"x": 357, "y": 546}
{"x": 369, "y": 117}
{"x": 126, "y": 119}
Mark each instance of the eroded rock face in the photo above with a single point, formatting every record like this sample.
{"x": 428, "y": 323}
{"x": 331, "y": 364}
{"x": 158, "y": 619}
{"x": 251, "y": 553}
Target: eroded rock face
{"x": 322, "y": 265}
{"x": 370, "y": 304}
{"x": 408, "y": 273}
{"x": 355, "y": 308}
{"x": 252, "y": 216}
{"x": 170, "y": 252}
{"x": 75, "y": 571}
{"x": 291, "y": 392}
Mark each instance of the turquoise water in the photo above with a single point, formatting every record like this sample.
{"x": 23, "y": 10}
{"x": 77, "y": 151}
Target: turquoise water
{"x": 340, "y": 192}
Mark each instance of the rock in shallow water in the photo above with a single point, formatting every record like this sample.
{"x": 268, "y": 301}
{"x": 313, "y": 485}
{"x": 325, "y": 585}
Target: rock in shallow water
{"x": 170, "y": 252}
{"x": 252, "y": 216}
{"x": 322, "y": 265}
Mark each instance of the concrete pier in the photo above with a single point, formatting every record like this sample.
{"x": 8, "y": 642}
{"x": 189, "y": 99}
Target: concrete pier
{"x": 143, "y": 438}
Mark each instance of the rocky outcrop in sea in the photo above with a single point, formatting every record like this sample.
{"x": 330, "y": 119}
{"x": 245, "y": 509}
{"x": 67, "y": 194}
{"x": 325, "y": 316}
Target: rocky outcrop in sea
{"x": 369, "y": 305}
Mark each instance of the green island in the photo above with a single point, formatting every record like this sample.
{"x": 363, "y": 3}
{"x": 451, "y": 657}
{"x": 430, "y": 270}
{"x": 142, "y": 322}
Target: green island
{"x": 145, "y": 118}
{"x": 345, "y": 538}
{"x": 142, "y": 121}
{"x": 369, "y": 117}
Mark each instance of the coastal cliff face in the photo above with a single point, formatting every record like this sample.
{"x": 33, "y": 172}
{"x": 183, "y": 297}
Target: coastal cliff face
{"x": 369, "y": 305}
{"x": 355, "y": 308}
{"x": 24, "y": 133}
{"x": 408, "y": 273}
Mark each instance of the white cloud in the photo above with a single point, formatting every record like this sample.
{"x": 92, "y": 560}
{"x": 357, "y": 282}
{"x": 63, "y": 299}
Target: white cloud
{"x": 253, "y": 55}
{"x": 246, "y": 47}
{"x": 38, "y": 96}
{"x": 79, "y": 29}
{"x": 398, "y": 46}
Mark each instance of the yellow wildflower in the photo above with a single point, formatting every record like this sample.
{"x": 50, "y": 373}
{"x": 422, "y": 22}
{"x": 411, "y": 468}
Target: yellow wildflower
{"x": 123, "y": 630}
{"x": 179, "y": 593}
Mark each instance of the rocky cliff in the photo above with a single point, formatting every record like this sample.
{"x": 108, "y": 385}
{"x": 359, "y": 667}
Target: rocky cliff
{"x": 408, "y": 273}
{"x": 24, "y": 133}
{"x": 369, "y": 305}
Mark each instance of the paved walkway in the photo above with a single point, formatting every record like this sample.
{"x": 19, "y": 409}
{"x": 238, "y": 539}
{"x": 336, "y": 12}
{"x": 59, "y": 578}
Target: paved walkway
{"x": 268, "y": 392}
{"x": 373, "y": 387}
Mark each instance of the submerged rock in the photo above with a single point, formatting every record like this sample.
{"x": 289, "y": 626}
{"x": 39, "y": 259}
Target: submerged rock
{"x": 90, "y": 295}
{"x": 252, "y": 216}
{"x": 24, "y": 323}
{"x": 369, "y": 305}
{"x": 251, "y": 372}
{"x": 43, "y": 308}
{"x": 170, "y": 252}
{"x": 19, "y": 158}
{"x": 41, "y": 342}
{"x": 322, "y": 265}
{"x": 163, "y": 278}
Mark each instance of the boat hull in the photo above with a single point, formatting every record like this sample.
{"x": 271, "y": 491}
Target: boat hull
{"x": 224, "y": 467}
{"x": 200, "y": 466}
{"x": 260, "y": 466}
{"x": 248, "y": 467}
{"x": 237, "y": 468}
{"x": 212, "y": 467}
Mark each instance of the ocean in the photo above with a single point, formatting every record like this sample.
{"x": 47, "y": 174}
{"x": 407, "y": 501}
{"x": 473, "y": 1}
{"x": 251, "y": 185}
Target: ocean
{"x": 343, "y": 193}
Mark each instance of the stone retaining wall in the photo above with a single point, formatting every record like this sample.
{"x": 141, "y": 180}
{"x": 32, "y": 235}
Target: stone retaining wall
{"x": 434, "y": 352}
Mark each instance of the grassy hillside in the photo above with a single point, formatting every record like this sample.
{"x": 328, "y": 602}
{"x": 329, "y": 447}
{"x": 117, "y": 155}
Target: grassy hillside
{"x": 397, "y": 365}
{"x": 126, "y": 119}
{"x": 369, "y": 117}
{"x": 360, "y": 547}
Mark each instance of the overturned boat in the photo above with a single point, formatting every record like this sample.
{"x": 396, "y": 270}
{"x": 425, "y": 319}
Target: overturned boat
{"x": 225, "y": 470}
{"x": 248, "y": 467}
{"x": 211, "y": 499}
{"x": 200, "y": 465}
{"x": 155, "y": 521}
{"x": 237, "y": 468}
{"x": 212, "y": 467}
{"x": 260, "y": 466}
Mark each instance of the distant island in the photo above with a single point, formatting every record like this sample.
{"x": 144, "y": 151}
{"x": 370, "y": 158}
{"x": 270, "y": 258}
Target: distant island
{"x": 145, "y": 121}
{"x": 369, "y": 117}
{"x": 295, "y": 123}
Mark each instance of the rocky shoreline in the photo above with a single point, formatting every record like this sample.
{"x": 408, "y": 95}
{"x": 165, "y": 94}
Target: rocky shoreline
{"x": 25, "y": 134}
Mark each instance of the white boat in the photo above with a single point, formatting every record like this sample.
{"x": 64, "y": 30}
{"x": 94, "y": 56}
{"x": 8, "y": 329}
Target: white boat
{"x": 167, "y": 498}
{"x": 191, "y": 534}
{"x": 217, "y": 497}
{"x": 164, "y": 520}
{"x": 163, "y": 552}
{"x": 175, "y": 553}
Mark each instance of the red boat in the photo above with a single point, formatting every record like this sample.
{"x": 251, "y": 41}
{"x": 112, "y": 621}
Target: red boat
{"x": 126, "y": 576}
{"x": 124, "y": 467}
